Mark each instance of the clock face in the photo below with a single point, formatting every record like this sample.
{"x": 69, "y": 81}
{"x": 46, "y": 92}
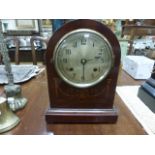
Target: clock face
{"x": 83, "y": 58}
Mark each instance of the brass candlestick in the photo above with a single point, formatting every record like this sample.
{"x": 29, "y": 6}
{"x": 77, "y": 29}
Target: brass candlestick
{"x": 8, "y": 119}
{"x": 13, "y": 92}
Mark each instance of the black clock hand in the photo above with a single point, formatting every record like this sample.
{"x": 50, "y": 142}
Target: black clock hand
{"x": 89, "y": 60}
{"x": 83, "y": 62}
{"x": 83, "y": 76}
{"x": 97, "y": 57}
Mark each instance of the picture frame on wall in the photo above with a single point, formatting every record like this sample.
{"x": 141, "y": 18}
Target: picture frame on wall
{"x": 21, "y": 27}
{"x": 25, "y": 24}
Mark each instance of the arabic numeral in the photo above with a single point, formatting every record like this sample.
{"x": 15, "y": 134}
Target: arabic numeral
{"x": 75, "y": 44}
{"x": 68, "y": 51}
{"x": 83, "y": 41}
{"x": 64, "y": 60}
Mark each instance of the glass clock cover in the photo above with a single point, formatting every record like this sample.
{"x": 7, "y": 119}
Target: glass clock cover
{"x": 83, "y": 58}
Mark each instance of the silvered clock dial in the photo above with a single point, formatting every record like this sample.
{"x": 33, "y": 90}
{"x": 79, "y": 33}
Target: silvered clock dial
{"x": 83, "y": 58}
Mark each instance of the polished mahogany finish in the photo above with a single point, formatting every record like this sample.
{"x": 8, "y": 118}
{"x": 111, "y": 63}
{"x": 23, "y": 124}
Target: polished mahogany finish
{"x": 33, "y": 51}
{"x": 64, "y": 96}
{"x": 81, "y": 115}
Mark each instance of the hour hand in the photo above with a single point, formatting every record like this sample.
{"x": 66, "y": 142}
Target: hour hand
{"x": 89, "y": 59}
{"x": 97, "y": 57}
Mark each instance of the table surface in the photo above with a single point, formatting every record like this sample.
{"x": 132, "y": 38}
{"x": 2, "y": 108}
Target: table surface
{"x": 33, "y": 115}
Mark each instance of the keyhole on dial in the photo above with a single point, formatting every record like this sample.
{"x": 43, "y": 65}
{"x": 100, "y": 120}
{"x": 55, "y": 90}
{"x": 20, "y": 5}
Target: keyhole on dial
{"x": 71, "y": 69}
{"x": 95, "y": 69}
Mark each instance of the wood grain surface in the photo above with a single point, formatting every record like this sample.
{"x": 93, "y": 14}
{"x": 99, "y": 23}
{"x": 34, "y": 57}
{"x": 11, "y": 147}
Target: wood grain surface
{"x": 33, "y": 115}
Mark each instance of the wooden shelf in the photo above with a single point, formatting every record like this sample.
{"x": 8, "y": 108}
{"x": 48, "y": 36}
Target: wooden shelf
{"x": 135, "y": 30}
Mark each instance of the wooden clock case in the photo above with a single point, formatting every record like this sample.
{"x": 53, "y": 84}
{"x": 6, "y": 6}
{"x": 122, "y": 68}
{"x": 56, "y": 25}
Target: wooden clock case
{"x": 82, "y": 105}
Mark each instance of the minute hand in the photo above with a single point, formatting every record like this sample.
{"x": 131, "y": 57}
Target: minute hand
{"x": 83, "y": 62}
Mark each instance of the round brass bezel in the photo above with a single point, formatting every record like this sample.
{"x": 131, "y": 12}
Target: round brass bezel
{"x": 73, "y": 83}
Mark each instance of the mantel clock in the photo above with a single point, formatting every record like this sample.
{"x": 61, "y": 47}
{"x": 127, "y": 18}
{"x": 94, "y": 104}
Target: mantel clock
{"x": 82, "y": 61}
